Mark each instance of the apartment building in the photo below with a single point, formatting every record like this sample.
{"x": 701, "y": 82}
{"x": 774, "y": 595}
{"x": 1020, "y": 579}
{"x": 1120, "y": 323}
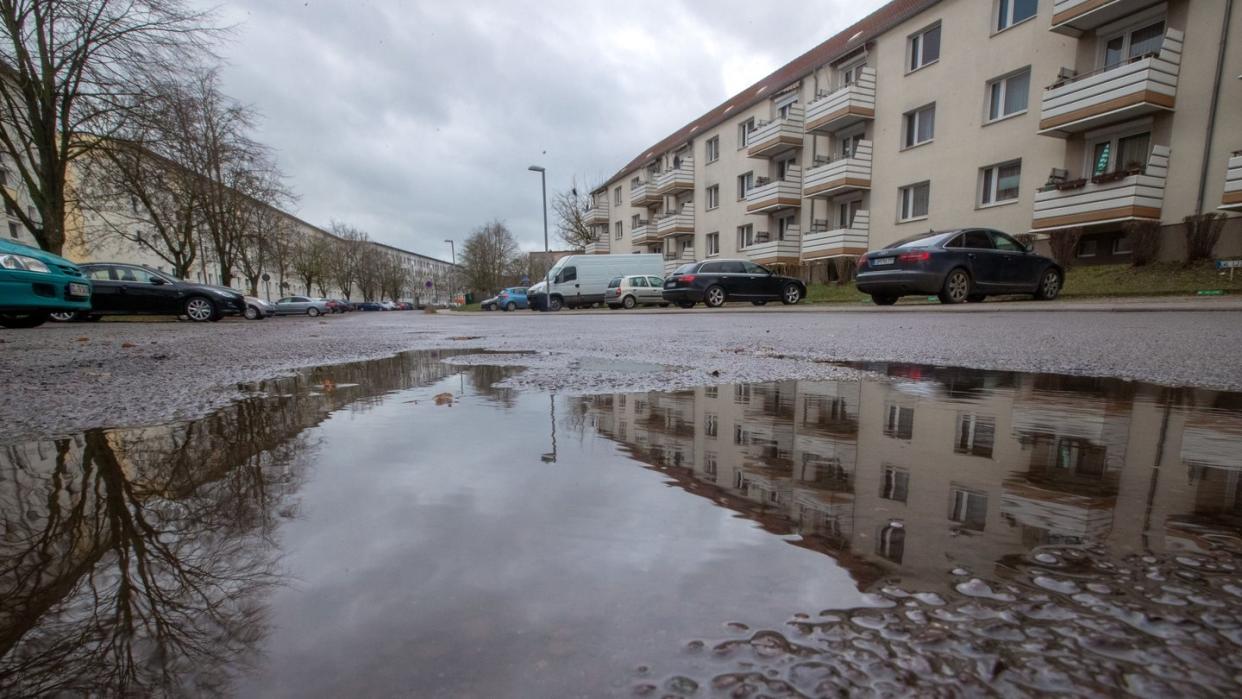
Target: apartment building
{"x": 1042, "y": 117}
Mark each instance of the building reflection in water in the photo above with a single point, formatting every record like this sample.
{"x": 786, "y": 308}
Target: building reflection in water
{"x": 134, "y": 561}
{"x": 906, "y": 478}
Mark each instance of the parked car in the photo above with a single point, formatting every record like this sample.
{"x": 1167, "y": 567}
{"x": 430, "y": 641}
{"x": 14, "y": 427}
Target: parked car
{"x": 490, "y": 304}
{"x": 388, "y": 305}
{"x": 635, "y": 290}
{"x": 299, "y": 305}
{"x": 577, "y": 281}
{"x": 958, "y": 266}
{"x": 335, "y": 306}
{"x": 258, "y": 309}
{"x": 121, "y": 288}
{"x": 716, "y": 281}
{"x": 512, "y": 299}
{"x": 35, "y": 284}
{"x": 368, "y": 306}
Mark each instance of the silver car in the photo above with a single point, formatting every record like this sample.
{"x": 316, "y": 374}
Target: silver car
{"x": 635, "y": 290}
{"x": 299, "y": 305}
{"x": 258, "y": 309}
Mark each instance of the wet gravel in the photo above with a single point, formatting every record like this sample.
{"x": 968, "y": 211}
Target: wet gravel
{"x": 65, "y": 378}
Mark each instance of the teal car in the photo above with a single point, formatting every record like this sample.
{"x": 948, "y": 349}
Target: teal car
{"x": 34, "y": 284}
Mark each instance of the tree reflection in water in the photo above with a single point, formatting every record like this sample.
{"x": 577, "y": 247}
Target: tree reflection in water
{"x": 135, "y": 561}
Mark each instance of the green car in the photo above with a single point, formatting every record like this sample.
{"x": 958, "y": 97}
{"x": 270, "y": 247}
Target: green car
{"x": 35, "y": 284}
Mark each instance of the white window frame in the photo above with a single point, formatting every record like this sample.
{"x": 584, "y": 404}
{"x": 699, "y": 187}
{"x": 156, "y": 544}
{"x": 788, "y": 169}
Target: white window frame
{"x": 620, "y": 230}
{"x": 711, "y": 149}
{"x": 1001, "y": 84}
{"x": 1113, "y": 136}
{"x": 1004, "y": 19}
{"x": 908, "y": 191}
{"x": 848, "y": 73}
{"x": 916, "y": 47}
{"x": 745, "y": 183}
{"x": 1125, "y": 28}
{"x": 745, "y": 233}
{"x": 959, "y": 504}
{"x": 990, "y": 176}
{"x": 712, "y": 197}
{"x": 744, "y": 130}
{"x": 713, "y": 244}
{"x": 915, "y": 118}
{"x": 968, "y": 427}
{"x": 616, "y": 195}
{"x": 711, "y": 425}
{"x": 1117, "y": 248}
{"x": 850, "y": 207}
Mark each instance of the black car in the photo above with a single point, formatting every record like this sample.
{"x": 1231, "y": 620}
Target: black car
{"x": 958, "y": 265}
{"x": 715, "y": 281}
{"x": 137, "y": 289}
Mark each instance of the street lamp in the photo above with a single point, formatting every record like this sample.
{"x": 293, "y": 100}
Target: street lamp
{"x": 543, "y": 177}
{"x": 453, "y": 262}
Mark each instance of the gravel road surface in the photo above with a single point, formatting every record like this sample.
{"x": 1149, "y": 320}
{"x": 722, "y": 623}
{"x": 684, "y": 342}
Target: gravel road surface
{"x": 60, "y": 379}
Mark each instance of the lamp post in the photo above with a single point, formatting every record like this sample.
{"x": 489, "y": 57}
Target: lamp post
{"x": 453, "y": 264}
{"x": 543, "y": 178}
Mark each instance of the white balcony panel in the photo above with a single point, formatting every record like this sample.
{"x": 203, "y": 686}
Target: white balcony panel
{"x": 850, "y": 241}
{"x": 597, "y": 214}
{"x": 1073, "y": 17}
{"x": 777, "y": 194}
{"x": 841, "y": 108}
{"x": 683, "y": 257}
{"x": 676, "y": 179}
{"x": 643, "y": 233}
{"x": 644, "y": 194}
{"x": 1135, "y": 197}
{"x": 681, "y": 223}
{"x": 1232, "y": 198}
{"x": 787, "y": 251}
{"x": 840, "y": 176}
{"x": 777, "y": 136}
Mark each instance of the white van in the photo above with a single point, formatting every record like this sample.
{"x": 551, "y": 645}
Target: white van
{"x": 577, "y": 281}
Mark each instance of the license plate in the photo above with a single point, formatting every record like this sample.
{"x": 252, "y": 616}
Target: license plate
{"x": 669, "y": 285}
{"x": 76, "y": 289}
{"x": 882, "y": 261}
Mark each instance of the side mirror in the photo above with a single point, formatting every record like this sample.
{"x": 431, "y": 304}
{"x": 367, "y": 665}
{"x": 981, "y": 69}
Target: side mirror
{"x": 1029, "y": 247}
{"x": 158, "y": 281}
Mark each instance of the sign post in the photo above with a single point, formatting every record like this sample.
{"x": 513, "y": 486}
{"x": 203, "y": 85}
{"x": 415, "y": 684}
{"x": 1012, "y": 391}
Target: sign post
{"x": 1230, "y": 265}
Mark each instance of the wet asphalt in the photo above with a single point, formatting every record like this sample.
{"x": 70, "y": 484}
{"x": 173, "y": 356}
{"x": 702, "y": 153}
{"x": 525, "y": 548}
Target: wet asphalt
{"x": 60, "y": 379}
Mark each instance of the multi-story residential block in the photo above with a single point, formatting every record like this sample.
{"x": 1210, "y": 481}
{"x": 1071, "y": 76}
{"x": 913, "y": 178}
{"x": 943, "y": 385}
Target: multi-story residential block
{"x": 1043, "y": 117}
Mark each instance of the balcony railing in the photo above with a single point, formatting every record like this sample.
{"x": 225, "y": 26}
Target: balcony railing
{"x": 841, "y": 175}
{"x": 680, "y": 223}
{"x": 821, "y": 243}
{"x": 1232, "y": 198}
{"x": 848, "y": 105}
{"x": 1109, "y": 198}
{"x": 678, "y": 259}
{"x": 774, "y": 195}
{"x": 597, "y": 214}
{"x": 644, "y": 194}
{"x": 767, "y": 251}
{"x": 1073, "y": 17}
{"x": 777, "y": 136}
{"x": 599, "y": 247}
{"x": 1142, "y": 85}
{"x": 678, "y": 179}
{"x": 643, "y": 233}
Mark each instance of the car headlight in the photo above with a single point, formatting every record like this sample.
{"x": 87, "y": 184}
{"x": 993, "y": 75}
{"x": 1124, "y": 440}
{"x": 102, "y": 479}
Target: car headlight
{"x": 28, "y": 264}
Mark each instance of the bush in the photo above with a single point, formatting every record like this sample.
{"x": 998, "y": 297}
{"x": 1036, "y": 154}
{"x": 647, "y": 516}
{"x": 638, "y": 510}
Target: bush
{"x": 1202, "y": 233}
{"x": 1065, "y": 246}
{"x": 1144, "y": 241}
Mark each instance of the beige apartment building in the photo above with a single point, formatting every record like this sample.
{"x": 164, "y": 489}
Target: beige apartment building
{"x": 1030, "y": 116}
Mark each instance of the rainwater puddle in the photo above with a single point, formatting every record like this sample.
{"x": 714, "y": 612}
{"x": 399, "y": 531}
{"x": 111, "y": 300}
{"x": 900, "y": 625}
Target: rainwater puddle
{"x": 352, "y": 531}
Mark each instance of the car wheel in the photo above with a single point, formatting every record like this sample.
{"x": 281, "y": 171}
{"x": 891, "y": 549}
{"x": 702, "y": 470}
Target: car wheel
{"x": 685, "y": 304}
{"x": 312, "y": 312}
{"x": 880, "y": 300}
{"x": 1049, "y": 286}
{"x": 555, "y": 303}
{"x": 976, "y": 298}
{"x": 956, "y": 287}
{"x": 63, "y": 316}
{"x": 714, "y": 297}
{"x": 511, "y": 306}
{"x": 200, "y": 309}
{"x": 22, "y": 321}
{"x": 791, "y": 294}
{"x": 251, "y": 313}
{"x": 628, "y": 302}
{"x": 758, "y": 303}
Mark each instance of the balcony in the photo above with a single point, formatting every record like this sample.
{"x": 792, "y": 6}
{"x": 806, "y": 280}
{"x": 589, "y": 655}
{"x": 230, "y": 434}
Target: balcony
{"x": 680, "y": 223}
{"x": 643, "y": 233}
{"x": 599, "y": 247}
{"x": 1143, "y": 85}
{"x": 644, "y": 194}
{"x": 849, "y": 105}
{"x": 684, "y": 257}
{"x": 597, "y": 214}
{"x": 1232, "y": 199}
{"x": 678, "y": 179}
{"x": 1074, "y": 17}
{"x": 822, "y": 244}
{"x": 828, "y": 179}
{"x": 771, "y": 138}
{"x": 774, "y": 195}
{"x": 775, "y": 252}
{"x": 1110, "y": 198}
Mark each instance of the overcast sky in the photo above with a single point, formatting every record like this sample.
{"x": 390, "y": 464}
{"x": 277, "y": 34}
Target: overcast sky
{"x": 416, "y": 120}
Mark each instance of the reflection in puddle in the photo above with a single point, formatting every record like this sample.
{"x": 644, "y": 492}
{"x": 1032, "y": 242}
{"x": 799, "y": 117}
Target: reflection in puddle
{"x": 944, "y": 531}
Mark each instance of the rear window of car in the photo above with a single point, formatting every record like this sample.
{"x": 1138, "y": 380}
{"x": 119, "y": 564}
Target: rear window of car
{"x": 918, "y": 241}
{"x": 685, "y": 269}
{"x": 616, "y": 282}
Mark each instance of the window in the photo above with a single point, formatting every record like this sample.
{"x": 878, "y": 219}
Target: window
{"x": 711, "y": 392}
{"x": 617, "y": 230}
{"x": 709, "y": 465}
{"x": 711, "y": 425}
{"x": 12, "y": 229}
{"x": 745, "y": 236}
{"x": 975, "y": 435}
{"x": 713, "y": 244}
{"x": 850, "y": 74}
{"x": 713, "y": 197}
{"x": 914, "y": 201}
{"x": 891, "y": 543}
{"x": 898, "y": 422}
{"x": 741, "y": 392}
{"x": 640, "y": 282}
{"x": 1133, "y": 43}
{"x": 969, "y": 508}
{"x": 896, "y": 485}
{"x": 920, "y": 126}
{"x": 713, "y": 149}
{"x": 925, "y": 48}
{"x": 744, "y": 130}
{"x": 1005, "y": 243}
{"x": 999, "y": 183}
{"x": 616, "y": 196}
{"x": 1088, "y": 247}
{"x": 1009, "y": 95}
{"x": 846, "y": 211}
{"x": 785, "y": 225}
{"x": 1011, "y": 12}
{"x": 1123, "y": 245}
{"x": 744, "y": 184}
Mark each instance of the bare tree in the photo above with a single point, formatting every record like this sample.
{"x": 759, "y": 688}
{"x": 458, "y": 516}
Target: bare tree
{"x": 489, "y": 257}
{"x": 369, "y": 275}
{"x": 281, "y": 240}
{"x": 395, "y": 278}
{"x": 570, "y": 208}
{"x": 310, "y": 259}
{"x": 73, "y": 72}
{"x": 347, "y": 254}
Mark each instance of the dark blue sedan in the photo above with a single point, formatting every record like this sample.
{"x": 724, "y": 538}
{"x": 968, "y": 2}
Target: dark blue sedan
{"x": 957, "y": 266}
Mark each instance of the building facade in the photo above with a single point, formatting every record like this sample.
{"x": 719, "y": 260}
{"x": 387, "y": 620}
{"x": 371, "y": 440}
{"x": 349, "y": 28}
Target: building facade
{"x": 1047, "y": 117}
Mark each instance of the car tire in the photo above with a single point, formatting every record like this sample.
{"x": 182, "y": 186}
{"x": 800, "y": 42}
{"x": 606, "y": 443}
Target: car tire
{"x": 791, "y": 294}
{"x": 685, "y": 304}
{"x": 252, "y": 313}
{"x": 22, "y": 321}
{"x": 881, "y": 300}
{"x": 200, "y": 309}
{"x": 976, "y": 298}
{"x": 1050, "y": 283}
{"x": 555, "y": 304}
{"x": 956, "y": 288}
{"x": 758, "y": 303}
{"x": 628, "y": 302}
{"x": 714, "y": 297}
{"x": 63, "y": 316}
{"x": 312, "y": 312}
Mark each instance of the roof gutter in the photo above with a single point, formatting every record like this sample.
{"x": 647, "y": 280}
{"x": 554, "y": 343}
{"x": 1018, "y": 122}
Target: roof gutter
{"x": 1211, "y": 125}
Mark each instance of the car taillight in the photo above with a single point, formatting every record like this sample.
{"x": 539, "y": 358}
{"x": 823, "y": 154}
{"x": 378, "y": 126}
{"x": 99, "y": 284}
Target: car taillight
{"x": 862, "y": 261}
{"x": 921, "y": 256}
{"x": 687, "y": 278}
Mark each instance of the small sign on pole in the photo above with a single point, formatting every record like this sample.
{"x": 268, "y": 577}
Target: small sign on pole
{"x": 1229, "y": 265}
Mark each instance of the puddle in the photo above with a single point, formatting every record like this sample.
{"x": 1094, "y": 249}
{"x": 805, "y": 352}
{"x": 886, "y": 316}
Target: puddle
{"x": 339, "y": 532}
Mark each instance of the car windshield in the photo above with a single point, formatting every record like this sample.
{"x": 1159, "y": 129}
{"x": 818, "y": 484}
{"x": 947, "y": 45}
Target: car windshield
{"x": 922, "y": 240}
